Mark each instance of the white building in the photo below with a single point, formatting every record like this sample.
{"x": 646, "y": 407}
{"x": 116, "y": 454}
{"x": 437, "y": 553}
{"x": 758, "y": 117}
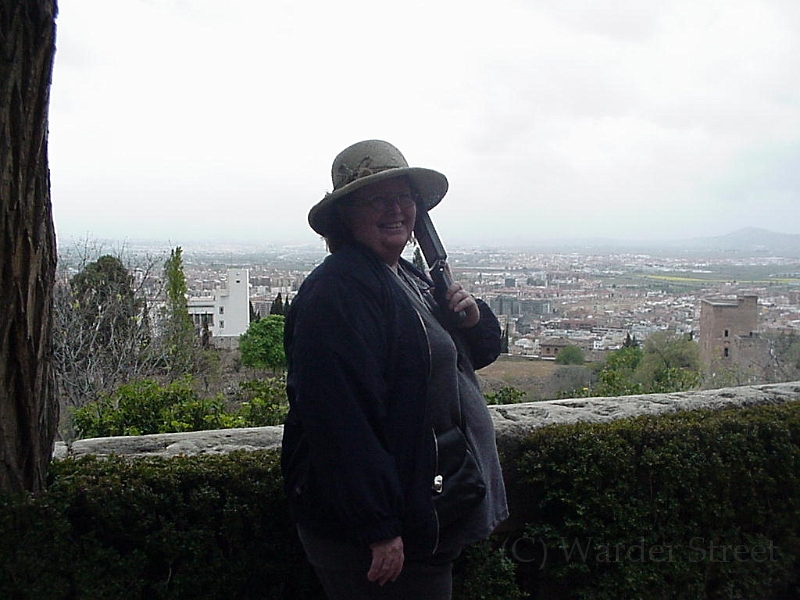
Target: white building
{"x": 226, "y": 313}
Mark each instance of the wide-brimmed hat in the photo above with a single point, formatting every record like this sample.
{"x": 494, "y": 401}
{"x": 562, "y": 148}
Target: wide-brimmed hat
{"x": 368, "y": 162}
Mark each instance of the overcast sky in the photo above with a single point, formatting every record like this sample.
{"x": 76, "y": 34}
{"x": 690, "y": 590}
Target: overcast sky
{"x": 195, "y": 120}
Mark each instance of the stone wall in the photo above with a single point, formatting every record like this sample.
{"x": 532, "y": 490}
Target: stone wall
{"x": 512, "y": 421}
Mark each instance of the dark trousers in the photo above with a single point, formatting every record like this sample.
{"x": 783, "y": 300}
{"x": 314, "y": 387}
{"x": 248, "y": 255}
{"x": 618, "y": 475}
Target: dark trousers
{"x": 417, "y": 581}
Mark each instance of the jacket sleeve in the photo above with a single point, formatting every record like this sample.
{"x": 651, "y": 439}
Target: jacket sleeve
{"x": 338, "y": 350}
{"x": 484, "y": 340}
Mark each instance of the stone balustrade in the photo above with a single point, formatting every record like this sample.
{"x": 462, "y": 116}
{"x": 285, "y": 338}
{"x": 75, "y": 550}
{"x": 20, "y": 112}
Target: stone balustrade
{"x": 512, "y": 421}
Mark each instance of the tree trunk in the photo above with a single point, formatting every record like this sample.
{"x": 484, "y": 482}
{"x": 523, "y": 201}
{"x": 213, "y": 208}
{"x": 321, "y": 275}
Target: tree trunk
{"x": 28, "y": 412}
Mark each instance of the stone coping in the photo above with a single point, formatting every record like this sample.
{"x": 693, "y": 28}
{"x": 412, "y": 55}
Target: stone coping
{"x": 512, "y": 421}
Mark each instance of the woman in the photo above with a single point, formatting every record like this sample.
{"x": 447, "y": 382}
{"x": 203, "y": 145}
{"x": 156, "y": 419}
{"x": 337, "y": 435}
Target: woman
{"x": 383, "y": 397}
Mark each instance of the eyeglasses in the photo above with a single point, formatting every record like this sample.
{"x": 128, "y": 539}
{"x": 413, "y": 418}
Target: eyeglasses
{"x": 381, "y": 203}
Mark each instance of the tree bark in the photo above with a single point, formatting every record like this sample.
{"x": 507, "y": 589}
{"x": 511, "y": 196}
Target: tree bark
{"x": 28, "y": 411}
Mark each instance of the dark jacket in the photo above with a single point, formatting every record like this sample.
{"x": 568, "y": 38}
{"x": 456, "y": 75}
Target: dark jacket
{"x": 357, "y": 456}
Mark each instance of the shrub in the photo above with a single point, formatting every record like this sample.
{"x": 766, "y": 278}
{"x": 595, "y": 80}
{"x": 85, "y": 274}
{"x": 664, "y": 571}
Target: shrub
{"x": 263, "y": 402}
{"x": 505, "y": 395}
{"x": 199, "y": 527}
{"x": 144, "y": 407}
{"x": 570, "y": 355}
{"x": 485, "y": 572}
{"x": 701, "y": 505}
{"x": 135, "y": 408}
{"x": 193, "y": 528}
{"x": 656, "y": 507}
{"x": 261, "y": 346}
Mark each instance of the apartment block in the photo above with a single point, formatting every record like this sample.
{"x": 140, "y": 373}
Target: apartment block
{"x": 225, "y": 314}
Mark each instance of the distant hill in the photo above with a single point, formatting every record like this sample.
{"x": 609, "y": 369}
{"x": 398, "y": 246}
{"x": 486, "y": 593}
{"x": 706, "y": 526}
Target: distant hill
{"x": 748, "y": 240}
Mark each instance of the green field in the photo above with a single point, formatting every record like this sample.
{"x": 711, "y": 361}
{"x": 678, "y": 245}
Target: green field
{"x": 756, "y": 275}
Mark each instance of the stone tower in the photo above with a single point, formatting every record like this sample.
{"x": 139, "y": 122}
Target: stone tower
{"x": 727, "y": 330}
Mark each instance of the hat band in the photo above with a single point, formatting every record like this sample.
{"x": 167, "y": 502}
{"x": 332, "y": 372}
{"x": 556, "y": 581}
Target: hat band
{"x": 361, "y": 172}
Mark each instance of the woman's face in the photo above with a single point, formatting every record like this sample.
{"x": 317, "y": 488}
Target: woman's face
{"x": 381, "y": 216}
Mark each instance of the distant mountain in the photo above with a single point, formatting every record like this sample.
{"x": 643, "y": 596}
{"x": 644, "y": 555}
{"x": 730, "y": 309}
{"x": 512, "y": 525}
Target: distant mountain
{"x": 748, "y": 240}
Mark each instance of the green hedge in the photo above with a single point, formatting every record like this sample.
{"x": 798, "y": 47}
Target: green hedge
{"x": 691, "y": 505}
{"x": 695, "y": 505}
{"x": 204, "y": 527}
{"x": 200, "y": 527}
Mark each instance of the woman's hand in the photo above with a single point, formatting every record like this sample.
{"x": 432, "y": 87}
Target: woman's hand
{"x": 387, "y": 560}
{"x": 459, "y": 300}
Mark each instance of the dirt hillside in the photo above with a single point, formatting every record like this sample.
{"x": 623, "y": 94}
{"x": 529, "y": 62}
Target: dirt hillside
{"x": 539, "y": 379}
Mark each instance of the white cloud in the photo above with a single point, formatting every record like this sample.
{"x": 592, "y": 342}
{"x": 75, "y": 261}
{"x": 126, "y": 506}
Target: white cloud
{"x": 199, "y": 118}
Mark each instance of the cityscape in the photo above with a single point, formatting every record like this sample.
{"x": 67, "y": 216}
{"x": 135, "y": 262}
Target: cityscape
{"x": 591, "y": 295}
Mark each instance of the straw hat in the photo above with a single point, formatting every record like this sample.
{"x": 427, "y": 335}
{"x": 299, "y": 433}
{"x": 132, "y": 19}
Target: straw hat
{"x": 368, "y": 162}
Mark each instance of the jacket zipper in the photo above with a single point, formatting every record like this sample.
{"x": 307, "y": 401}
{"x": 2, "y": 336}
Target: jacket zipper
{"x": 433, "y": 432}
{"x": 434, "y": 490}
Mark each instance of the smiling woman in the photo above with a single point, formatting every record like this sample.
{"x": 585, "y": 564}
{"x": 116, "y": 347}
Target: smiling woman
{"x": 389, "y": 455}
